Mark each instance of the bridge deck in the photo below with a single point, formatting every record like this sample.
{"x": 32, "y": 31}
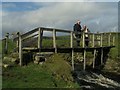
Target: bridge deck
{"x": 64, "y": 50}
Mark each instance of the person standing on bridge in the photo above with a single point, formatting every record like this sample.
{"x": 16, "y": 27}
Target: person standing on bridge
{"x": 86, "y": 31}
{"x": 77, "y": 29}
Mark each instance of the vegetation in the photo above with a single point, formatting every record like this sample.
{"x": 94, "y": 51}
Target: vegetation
{"x": 56, "y": 71}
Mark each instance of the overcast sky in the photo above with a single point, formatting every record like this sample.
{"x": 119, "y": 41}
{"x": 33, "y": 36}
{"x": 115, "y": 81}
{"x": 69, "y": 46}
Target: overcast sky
{"x": 25, "y": 16}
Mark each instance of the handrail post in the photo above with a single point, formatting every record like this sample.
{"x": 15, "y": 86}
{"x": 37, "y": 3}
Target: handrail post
{"x": 17, "y": 42}
{"x": 93, "y": 40}
{"x": 71, "y": 39}
{"x": 83, "y": 39}
{"x": 109, "y": 39}
{"x": 54, "y": 40}
{"x": 113, "y": 40}
{"x": 101, "y": 40}
{"x": 40, "y": 38}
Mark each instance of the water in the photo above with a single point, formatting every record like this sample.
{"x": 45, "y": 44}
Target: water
{"x": 95, "y": 81}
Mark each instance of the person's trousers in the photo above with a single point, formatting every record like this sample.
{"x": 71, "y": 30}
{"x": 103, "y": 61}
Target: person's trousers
{"x": 78, "y": 36}
{"x": 86, "y": 41}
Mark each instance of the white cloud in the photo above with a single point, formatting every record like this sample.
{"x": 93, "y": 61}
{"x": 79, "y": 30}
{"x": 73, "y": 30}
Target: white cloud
{"x": 60, "y": 1}
{"x": 97, "y": 16}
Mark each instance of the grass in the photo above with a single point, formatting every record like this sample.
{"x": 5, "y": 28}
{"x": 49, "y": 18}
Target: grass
{"x": 49, "y": 75}
{"x": 22, "y": 77}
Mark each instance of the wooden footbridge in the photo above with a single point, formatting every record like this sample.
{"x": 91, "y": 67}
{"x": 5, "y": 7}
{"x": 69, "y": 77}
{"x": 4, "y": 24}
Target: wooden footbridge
{"x": 99, "y": 43}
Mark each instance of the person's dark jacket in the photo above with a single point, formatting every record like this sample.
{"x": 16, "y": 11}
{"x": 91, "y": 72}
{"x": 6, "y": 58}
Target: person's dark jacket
{"x": 77, "y": 28}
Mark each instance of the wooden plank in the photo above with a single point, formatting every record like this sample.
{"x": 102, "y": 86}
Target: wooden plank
{"x": 65, "y": 31}
{"x": 29, "y": 33}
{"x": 57, "y": 30}
{"x": 20, "y": 50}
{"x": 46, "y": 29}
{"x": 54, "y": 40}
{"x": 31, "y": 36}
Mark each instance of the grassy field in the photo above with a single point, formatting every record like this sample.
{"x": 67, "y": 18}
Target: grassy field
{"x": 48, "y": 75}
{"x": 55, "y": 72}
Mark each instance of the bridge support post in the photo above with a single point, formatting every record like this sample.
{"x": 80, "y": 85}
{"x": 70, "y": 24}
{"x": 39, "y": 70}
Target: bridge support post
{"x": 6, "y": 43}
{"x": 101, "y": 56}
{"x": 20, "y": 50}
{"x": 94, "y": 58}
{"x": 40, "y": 33}
{"x": 71, "y": 45}
{"x": 73, "y": 68}
{"x": 84, "y": 64}
{"x": 54, "y": 40}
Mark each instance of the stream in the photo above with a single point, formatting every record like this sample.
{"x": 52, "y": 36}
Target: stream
{"x": 97, "y": 80}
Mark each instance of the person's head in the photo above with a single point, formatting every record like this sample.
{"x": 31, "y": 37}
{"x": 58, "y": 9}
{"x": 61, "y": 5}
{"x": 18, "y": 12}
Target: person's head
{"x": 84, "y": 26}
{"x": 78, "y": 22}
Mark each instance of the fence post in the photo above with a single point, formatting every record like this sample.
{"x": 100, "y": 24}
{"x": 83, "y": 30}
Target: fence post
{"x": 54, "y": 40}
